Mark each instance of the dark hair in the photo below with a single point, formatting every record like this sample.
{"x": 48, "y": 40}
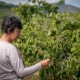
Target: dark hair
{"x": 10, "y": 23}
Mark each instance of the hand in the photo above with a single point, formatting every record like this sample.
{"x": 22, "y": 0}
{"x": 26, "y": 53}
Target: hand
{"x": 44, "y": 63}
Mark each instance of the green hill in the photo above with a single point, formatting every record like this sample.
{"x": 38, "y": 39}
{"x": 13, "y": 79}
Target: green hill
{"x": 5, "y": 10}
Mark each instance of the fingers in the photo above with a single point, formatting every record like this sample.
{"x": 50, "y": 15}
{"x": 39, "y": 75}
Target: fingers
{"x": 50, "y": 57}
{"x": 48, "y": 60}
{"x": 45, "y": 63}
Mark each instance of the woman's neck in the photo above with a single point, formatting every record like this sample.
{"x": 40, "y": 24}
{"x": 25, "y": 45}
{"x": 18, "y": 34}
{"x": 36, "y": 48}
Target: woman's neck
{"x": 5, "y": 37}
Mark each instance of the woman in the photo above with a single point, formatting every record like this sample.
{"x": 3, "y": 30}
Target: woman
{"x": 11, "y": 64}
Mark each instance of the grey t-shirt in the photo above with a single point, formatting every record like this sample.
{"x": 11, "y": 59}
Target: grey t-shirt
{"x": 11, "y": 65}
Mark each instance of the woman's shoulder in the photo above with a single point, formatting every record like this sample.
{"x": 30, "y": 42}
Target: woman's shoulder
{"x": 6, "y": 44}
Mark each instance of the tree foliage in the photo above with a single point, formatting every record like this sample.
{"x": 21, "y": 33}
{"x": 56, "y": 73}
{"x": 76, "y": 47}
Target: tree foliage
{"x": 52, "y": 35}
{"x": 42, "y": 8}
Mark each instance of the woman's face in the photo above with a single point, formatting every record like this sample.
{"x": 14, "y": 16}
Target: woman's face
{"x": 15, "y": 34}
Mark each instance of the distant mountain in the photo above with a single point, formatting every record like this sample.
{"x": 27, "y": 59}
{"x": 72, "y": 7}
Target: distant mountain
{"x": 4, "y": 5}
{"x": 67, "y": 8}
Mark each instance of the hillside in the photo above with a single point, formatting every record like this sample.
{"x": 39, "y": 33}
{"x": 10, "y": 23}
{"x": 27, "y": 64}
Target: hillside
{"x": 4, "y": 5}
{"x": 5, "y": 10}
{"x": 67, "y": 8}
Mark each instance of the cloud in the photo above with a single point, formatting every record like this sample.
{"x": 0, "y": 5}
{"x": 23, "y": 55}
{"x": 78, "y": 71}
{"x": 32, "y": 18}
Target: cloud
{"x": 73, "y": 2}
{"x": 14, "y": 1}
{"x": 52, "y": 1}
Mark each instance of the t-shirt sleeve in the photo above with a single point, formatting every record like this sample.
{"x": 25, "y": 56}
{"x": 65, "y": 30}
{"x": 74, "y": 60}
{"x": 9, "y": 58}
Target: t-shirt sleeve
{"x": 18, "y": 66}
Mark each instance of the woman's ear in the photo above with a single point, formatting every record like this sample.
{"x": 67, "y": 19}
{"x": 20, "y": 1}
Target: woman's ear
{"x": 9, "y": 30}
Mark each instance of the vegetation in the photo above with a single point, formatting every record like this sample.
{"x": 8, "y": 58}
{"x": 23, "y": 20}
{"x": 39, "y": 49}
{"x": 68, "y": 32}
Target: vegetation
{"x": 49, "y": 34}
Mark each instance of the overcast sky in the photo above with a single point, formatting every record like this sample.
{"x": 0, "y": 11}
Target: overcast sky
{"x": 72, "y": 2}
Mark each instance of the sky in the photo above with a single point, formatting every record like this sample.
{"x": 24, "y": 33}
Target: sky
{"x": 71, "y": 2}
